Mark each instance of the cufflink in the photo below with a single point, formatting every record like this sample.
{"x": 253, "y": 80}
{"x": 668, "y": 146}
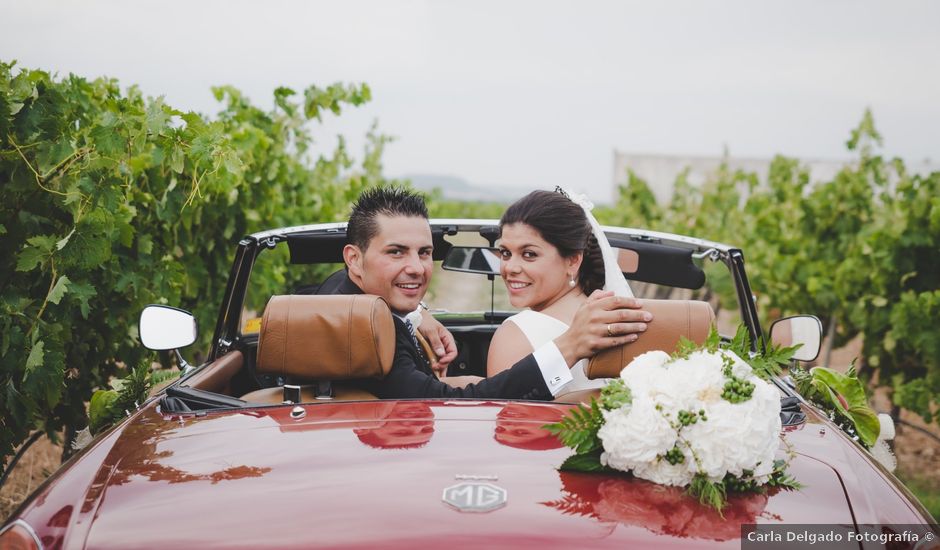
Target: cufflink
{"x": 555, "y": 380}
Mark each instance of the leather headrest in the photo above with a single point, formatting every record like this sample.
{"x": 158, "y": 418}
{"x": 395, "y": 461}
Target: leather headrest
{"x": 326, "y": 337}
{"x": 672, "y": 319}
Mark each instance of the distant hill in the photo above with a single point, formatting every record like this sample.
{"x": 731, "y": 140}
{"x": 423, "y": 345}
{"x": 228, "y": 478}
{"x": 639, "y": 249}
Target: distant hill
{"x": 459, "y": 189}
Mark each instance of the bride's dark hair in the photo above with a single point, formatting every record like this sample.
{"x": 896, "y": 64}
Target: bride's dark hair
{"x": 562, "y": 224}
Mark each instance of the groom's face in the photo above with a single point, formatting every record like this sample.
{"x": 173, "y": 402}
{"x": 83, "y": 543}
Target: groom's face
{"x": 397, "y": 264}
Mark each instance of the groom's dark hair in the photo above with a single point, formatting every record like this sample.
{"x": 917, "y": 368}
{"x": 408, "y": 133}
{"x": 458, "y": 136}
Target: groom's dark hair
{"x": 390, "y": 201}
{"x": 562, "y": 224}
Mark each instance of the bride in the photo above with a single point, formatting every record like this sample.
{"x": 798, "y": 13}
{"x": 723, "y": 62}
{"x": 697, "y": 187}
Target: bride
{"x": 553, "y": 256}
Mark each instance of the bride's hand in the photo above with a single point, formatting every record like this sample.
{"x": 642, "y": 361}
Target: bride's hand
{"x": 603, "y": 321}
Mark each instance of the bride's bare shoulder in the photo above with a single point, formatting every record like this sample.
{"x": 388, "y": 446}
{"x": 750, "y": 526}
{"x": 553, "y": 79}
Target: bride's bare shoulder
{"x": 507, "y": 347}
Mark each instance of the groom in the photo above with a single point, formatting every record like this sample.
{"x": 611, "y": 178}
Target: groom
{"x": 388, "y": 253}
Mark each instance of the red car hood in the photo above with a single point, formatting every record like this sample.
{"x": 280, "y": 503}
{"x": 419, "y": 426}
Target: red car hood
{"x": 373, "y": 475}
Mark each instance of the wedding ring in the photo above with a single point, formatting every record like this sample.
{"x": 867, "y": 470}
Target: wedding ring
{"x": 609, "y": 333}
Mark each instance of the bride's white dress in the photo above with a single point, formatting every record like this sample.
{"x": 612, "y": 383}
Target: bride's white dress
{"x": 539, "y": 328}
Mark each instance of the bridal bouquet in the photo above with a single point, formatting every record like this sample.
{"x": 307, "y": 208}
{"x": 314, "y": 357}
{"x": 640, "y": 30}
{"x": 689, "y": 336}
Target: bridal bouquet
{"x": 701, "y": 418}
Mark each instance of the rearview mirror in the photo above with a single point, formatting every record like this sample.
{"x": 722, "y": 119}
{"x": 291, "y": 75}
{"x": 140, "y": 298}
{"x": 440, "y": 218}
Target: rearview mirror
{"x": 472, "y": 259}
{"x": 799, "y": 329}
{"x": 164, "y": 328}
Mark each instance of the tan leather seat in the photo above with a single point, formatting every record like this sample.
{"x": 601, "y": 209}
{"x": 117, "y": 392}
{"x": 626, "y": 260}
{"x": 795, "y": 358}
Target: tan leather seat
{"x": 324, "y": 338}
{"x": 672, "y": 320}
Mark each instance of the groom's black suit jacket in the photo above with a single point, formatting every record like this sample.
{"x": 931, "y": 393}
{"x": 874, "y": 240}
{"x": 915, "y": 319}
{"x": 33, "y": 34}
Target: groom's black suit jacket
{"x": 411, "y": 377}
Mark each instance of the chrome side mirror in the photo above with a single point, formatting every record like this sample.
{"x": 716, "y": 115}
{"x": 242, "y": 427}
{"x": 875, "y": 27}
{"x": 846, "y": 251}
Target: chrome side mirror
{"x": 799, "y": 329}
{"x": 472, "y": 259}
{"x": 166, "y": 328}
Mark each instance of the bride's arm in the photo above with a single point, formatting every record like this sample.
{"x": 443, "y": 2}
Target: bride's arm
{"x": 507, "y": 347}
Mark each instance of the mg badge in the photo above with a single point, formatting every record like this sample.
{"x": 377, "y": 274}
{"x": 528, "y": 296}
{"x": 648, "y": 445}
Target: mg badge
{"x": 475, "y": 497}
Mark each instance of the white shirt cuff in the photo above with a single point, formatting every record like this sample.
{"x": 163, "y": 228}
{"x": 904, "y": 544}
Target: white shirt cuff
{"x": 554, "y": 369}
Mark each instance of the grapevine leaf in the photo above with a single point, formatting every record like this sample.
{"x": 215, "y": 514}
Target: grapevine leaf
{"x": 20, "y": 406}
{"x": 60, "y": 244}
{"x": 82, "y": 292}
{"x": 59, "y": 290}
{"x": 177, "y": 159}
{"x": 40, "y": 247}
{"x": 4, "y": 117}
{"x": 45, "y": 381}
{"x": 29, "y": 258}
{"x": 108, "y": 141}
{"x": 158, "y": 116}
{"x": 50, "y": 156}
{"x": 281, "y": 95}
{"x": 90, "y": 246}
{"x": 35, "y": 356}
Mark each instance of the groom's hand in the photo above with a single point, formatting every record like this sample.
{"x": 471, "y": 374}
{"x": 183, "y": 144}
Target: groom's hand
{"x": 603, "y": 321}
{"x": 441, "y": 342}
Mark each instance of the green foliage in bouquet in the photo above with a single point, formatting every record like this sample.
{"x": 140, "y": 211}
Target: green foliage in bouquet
{"x": 766, "y": 363}
{"x": 107, "y": 407}
{"x": 844, "y": 397}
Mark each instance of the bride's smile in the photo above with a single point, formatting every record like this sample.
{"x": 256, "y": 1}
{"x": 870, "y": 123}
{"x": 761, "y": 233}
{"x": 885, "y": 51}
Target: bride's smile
{"x": 535, "y": 273}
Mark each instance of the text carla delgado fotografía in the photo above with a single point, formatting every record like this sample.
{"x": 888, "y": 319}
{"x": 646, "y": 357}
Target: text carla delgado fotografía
{"x": 812, "y": 537}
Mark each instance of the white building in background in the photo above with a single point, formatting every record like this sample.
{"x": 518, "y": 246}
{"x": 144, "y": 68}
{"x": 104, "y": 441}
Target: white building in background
{"x": 660, "y": 171}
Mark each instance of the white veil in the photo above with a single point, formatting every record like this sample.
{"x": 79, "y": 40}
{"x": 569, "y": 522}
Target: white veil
{"x": 613, "y": 277}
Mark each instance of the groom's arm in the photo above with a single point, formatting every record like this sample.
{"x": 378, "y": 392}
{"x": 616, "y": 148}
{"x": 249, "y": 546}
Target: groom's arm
{"x": 538, "y": 376}
{"x": 405, "y": 380}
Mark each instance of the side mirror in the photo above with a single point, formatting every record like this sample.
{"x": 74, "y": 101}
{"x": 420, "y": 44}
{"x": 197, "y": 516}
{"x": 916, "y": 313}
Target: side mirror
{"x": 166, "y": 328}
{"x": 472, "y": 259}
{"x": 799, "y": 329}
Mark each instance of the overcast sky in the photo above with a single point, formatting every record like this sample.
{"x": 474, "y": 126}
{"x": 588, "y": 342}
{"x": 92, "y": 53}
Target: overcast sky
{"x": 529, "y": 94}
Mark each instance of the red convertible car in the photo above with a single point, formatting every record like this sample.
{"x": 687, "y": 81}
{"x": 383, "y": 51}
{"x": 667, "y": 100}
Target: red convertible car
{"x": 268, "y": 444}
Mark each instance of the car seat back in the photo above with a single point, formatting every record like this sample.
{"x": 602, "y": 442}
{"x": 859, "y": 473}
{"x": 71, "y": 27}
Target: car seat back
{"x": 307, "y": 339}
{"x": 672, "y": 320}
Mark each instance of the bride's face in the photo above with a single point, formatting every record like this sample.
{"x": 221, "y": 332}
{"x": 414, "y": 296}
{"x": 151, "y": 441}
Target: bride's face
{"x": 535, "y": 273}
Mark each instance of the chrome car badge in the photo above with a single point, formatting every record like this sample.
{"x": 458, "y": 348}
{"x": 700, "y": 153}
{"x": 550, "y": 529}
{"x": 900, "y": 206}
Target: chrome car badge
{"x": 475, "y": 497}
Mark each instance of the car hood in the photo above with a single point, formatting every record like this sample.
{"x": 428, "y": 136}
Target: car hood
{"x": 376, "y": 473}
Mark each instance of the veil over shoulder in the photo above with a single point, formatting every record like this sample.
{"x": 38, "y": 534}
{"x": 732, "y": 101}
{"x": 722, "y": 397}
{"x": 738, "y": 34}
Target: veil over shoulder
{"x": 613, "y": 277}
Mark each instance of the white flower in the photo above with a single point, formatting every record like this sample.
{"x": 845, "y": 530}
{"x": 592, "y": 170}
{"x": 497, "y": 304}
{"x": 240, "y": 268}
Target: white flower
{"x": 635, "y": 435}
{"x": 664, "y": 473}
{"x": 739, "y": 436}
{"x": 882, "y": 453}
{"x": 886, "y": 433}
{"x": 82, "y": 439}
{"x": 729, "y": 438}
{"x": 740, "y": 369}
{"x": 880, "y": 450}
